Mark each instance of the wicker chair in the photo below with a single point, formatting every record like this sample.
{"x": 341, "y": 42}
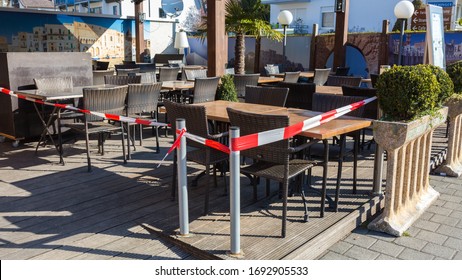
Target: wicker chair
{"x": 126, "y": 72}
{"x": 300, "y": 94}
{"x": 59, "y": 84}
{"x": 374, "y": 78}
{"x": 192, "y": 74}
{"x": 168, "y": 74}
{"x": 320, "y": 76}
{"x": 371, "y": 110}
{"x": 339, "y": 81}
{"x": 204, "y": 90}
{"x": 148, "y": 77}
{"x": 103, "y": 100}
{"x": 142, "y": 102}
{"x": 122, "y": 80}
{"x": 197, "y": 124}
{"x": 342, "y": 71}
{"x": 271, "y": 69}
{"x": 291, "y": 77}
{"x": 243, "y": 80}
{"x": 327, "y": 102}
{"x": 273, "y": 161}
{"x": 274, "y": 96}
{"x": 98, "y": 76}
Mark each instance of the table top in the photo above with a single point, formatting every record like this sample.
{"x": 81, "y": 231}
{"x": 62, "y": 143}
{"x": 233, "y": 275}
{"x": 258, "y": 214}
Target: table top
{"x": 305, "y": 74}
{"x": 216, "y": 110}
{"x": 177, "y": 85}
{"x": 329, "y": 90}
{"x": 75, "y": 92}
{"x": 266, "y": 80}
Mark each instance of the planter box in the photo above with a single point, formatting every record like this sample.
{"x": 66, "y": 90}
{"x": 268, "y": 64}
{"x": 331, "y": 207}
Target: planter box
{"x": 407, "y": 193}
{"x": 453, "y": 164}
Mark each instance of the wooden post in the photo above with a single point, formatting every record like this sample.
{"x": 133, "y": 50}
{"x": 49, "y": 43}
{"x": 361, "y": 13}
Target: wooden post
{"x": 314, "y": 39}
{"x": 383, "y": 52}
{"x": 139, "y": 30}
{"x": 341, "y": 34}
{"x": 217, "y": 43}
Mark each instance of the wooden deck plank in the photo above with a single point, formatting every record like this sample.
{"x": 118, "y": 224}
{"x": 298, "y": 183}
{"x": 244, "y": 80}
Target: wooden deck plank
{"x": 49, "y": 211}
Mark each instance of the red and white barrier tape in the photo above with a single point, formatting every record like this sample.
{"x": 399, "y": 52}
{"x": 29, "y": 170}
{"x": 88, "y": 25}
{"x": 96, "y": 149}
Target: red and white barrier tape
{"x": 69, "y": 107}
{"x": 266, "y": 137}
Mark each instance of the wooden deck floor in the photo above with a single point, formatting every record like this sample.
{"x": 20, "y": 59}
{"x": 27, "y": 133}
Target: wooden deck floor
{"x": 50, "y": 211}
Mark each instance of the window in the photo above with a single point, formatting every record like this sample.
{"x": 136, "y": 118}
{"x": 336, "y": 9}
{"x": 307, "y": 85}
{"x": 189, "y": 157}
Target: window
{"x": 115, "y": 11}
{"x": 327, "y": 17}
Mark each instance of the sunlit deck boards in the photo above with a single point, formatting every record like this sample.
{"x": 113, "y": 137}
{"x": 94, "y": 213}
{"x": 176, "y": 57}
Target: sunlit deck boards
{"x": 49, "y": 211}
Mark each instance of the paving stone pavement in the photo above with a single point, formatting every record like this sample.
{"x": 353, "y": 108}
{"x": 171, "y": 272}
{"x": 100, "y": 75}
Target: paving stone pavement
{"x": 436, "y": 235}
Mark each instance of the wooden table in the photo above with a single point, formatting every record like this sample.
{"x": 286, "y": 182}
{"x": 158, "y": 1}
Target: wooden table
{"x": 216, "y": 110}
{"x": 177, "y": 85}
{"x": 329, "y": 90}
{"x": 305, "y": 74}
{"x": 268, "y": 80}
{"x": 55, "y": 96}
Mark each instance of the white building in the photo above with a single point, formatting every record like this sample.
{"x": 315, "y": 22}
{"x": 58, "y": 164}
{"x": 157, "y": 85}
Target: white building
{"x": 364, "y": 16}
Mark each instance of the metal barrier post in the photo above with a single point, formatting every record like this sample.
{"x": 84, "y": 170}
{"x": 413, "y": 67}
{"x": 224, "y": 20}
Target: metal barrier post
{"x": 182, "y": 182}
{"x": 235, "y": 195}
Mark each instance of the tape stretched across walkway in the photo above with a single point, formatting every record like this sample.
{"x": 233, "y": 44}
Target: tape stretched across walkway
{"x": 270, "y": 136}
{"x": 69, "y": 107}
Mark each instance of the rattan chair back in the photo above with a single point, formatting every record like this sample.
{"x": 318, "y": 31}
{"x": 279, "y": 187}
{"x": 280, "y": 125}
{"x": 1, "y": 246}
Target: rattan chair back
{"x": 250, "y": 123}
{"x": 192, "y": 74}
{"x": 326, "y": 102}
{"x": 291, "y": 77}
{"x": 300, "y": 94}
{"x": 205, "y": 89}
{"x": 122, "y": 80}
{"x": 243, "y": 80}
{"x": 320, "y": 76}
{"x": 148, "y": 77}
{"x": 98, "y": 76}
{"x": 275, "y": 96}
{"x": 168, "y": 73}
{"x": 339, "y": 81}
{"x": 142, "y": 98}
{"x": 104, "y": 100}
{"x": 371, "y": 109}
{"x": 126, "y": 72}
{"x": 52, "y": 84}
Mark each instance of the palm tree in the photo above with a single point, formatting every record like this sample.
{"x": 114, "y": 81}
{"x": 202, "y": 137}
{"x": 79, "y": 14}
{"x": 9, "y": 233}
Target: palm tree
{"x": 247, "y": 17}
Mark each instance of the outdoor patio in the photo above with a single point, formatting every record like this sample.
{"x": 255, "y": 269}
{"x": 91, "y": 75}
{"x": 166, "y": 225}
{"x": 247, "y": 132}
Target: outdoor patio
{"x": 49, "y": 211}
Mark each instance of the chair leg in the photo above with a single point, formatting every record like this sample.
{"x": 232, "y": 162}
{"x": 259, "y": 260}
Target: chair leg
{"x": 60, "y": 139}
{"x": 87, "y": 144}
{"x": 355, "y": 160}
{"x": 339, "y": 171}
{"x": 129, "y": 156}
{"x": 207, "y": 192}
{"x": 123, "y": 142}
{"x": 285, "y": 190}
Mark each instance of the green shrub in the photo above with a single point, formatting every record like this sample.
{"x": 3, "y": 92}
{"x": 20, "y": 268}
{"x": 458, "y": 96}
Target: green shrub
{"x": 227, "y": 90}
{"x": 408, "y": 92}
{"x": 446, "y": 84}
{"x": 454, "y": 71}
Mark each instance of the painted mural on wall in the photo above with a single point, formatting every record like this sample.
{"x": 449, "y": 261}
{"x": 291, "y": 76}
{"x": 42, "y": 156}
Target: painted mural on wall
{"x": 104, "y": 38}
{"x": 414, "y": 48}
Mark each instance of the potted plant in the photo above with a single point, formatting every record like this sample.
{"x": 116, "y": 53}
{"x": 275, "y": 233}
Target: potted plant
{"x": 452, "y": 166}
{"x": 226, "y": 90}
{"x": 410, "y": 98}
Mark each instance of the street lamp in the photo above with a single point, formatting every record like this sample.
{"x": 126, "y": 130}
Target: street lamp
{"x": 403, "y": 10}
{"x": 181, "y": 41}
{"x": 285, "y": 18}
